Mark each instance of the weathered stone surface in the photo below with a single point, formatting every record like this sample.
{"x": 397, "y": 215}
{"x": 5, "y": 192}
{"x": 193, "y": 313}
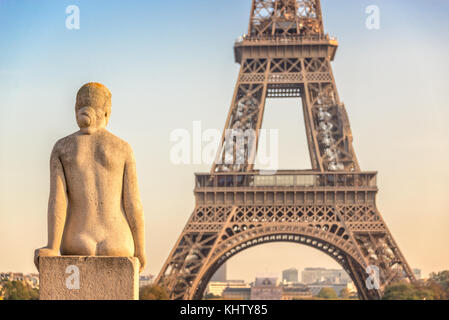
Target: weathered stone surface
{"x": 94, "y": 207}
{"x": 89, "y": 278}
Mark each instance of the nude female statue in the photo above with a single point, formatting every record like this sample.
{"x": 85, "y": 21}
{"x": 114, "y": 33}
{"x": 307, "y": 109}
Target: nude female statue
{"x": 94, "y": 207}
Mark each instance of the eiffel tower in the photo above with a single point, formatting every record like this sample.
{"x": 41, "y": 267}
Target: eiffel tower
{"x": 331, "y": 208}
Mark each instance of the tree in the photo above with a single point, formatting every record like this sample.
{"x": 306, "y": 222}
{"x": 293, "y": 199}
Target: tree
{"x": 327, "y": 293}
{"x": 345, "y": 294}
{"x": 211, "y": 296}
{"x": 153, "y": 292}
{"x": 441, "y": 278}
{"x": 426, "y": 290}
{"x": 436, "y": 289}
{"x": 19, "y": 290}
{"x": 400, "y": 291}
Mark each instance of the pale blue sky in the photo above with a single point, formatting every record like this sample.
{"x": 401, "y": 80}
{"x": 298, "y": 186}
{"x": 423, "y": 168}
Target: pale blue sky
{"x": 169, "y": 63}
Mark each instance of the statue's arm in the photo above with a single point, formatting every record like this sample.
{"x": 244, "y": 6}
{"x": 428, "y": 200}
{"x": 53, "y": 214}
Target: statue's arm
{"x": 57, "y": 202}
{"x": 57, "y": 209}
{"x": 133, "y": 207}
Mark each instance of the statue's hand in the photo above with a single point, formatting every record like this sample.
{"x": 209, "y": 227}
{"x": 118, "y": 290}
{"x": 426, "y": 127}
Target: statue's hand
{"x": 44, "y": 252}
{"x": 142, "y": 260}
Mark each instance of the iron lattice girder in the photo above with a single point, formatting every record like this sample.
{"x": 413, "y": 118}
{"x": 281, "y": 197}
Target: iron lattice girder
{"x": 327, "y": 125}
{"x": 331, "y": 208}
{"x": 332, "y": 212}
{"x": 285, "y": 17}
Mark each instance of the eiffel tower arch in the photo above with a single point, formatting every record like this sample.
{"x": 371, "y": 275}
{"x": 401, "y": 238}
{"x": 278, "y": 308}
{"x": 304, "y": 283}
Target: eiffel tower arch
{"x": 331, "y": 208}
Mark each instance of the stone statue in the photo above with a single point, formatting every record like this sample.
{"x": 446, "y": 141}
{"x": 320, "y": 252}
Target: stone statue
{"x": 94, "y": 207}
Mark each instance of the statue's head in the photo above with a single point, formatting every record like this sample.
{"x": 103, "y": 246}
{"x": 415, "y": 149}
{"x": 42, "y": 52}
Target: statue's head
{"x": 93, "y": 107}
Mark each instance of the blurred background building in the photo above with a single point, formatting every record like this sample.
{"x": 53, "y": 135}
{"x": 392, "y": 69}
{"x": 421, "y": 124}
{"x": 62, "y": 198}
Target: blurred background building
{"x": 321, "y": 275}
{"x": 290, "y": 276}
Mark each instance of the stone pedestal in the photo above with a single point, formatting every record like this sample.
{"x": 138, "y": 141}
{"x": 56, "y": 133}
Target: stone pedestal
{"x": 88, "y": 278}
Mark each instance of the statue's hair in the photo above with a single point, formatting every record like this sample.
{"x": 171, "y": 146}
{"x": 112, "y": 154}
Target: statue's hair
{"x": 95, "y": 93}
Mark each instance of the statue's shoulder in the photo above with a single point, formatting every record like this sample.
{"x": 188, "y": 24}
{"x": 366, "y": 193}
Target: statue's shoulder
{"x": 65, "y": 143}
{"x": 116, "y": 143}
